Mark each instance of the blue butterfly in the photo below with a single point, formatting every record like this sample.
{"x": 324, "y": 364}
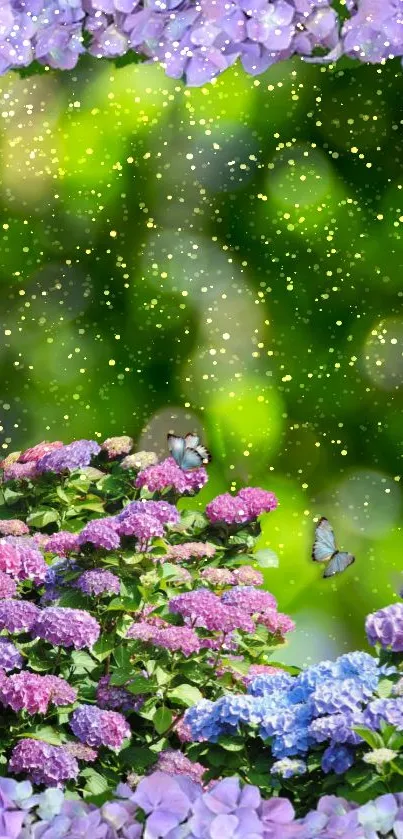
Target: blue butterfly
{"x": 187, "y": 451}
{"x": 325, "y": 550}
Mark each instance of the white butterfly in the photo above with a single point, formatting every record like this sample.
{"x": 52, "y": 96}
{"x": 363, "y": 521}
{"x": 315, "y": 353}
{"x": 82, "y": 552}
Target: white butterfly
{"x": 187, "y": 451}
{"x": 325, "y": 550}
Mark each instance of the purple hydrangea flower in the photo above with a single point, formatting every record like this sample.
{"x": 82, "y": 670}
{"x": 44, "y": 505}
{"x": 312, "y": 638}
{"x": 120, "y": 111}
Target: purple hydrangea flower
{"x": 385, "y": 627}
{"x": 20, "y": 471}
{"x": 10, "y": 657}
{"x": 174, "y": 762}
{"x": 142, "y": 526}
{"x": 66, "y": 627}
{"x": 164, "y": 512}
{"x": 203, "y": 608}
{"x": 113, "y": 698}
{"x": 62, "y": 543}
{"x": 101, "y": 533}
{"x": 249, "y": 598}
{"x": 173, "y": 638}
{"x": 8, "y": 587}
{"x": 98, "y": 582}
{"x": 97, "y": 727}
{"x": 43, "y": 763}
{"x": 168, "y": 474}
{"x": 190, "y": 550}
{"x": 18, "y": 615}
{"x": 77, "y": 454}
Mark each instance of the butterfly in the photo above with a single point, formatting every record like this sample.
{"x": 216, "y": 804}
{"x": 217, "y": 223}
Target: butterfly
{"x": 325, "y": 550}
{"x": 187, "y": 451}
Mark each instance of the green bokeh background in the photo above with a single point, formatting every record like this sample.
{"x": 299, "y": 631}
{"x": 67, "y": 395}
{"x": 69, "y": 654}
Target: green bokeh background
{"x": 227, "y": 259}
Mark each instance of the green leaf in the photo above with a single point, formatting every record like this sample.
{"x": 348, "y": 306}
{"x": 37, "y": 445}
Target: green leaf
{"x": 384, "y": 688}
{"x": 62, "y": 495}
{"x": 74, "y": 600}
{"x": 231, "y": 744}
{"x": 11, "y": 496}
{"x": 371, "y": 737}
{"x": 122, "y": 657}
{"x": 185, "y": 695}
{"x": 45, "y": 733}
{"x": 266, "y": 559}
{"x": 113, "y": 485}
{"x": 95, "y": 783}
{"x": 42, "y": 517}
{"x": 103, "y": 647}
{"x": 138, "y": 758}
{"x": 83, "y": 663}
{"x": 140, "y": 685}
{"x": 170, "y": 570}
{"x": 162, "y": 719}
{"x": 123, "y": 604}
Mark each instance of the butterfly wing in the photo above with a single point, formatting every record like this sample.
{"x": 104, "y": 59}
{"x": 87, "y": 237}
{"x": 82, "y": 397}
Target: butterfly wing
{"x": 191, "y": 460}
{"x": 338, "y": 563}
{"x": 177, "y": 447}
{"x": 204, "y": 453}
{"x": 324, "y": 545}
{"x": 192, "y": 441}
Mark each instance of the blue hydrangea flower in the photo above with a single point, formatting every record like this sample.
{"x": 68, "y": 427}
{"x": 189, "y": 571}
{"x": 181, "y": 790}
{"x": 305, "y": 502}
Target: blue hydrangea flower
{"x": 337, "y": 759}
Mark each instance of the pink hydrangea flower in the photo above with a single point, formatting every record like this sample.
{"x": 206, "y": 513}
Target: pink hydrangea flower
{"x": 168, "y": 474}
{"x": 190, "y": 550}
{"x": 8, "y": 587}
{"x": 13, "y": 527}
{"x": 38, "y": 451}
{"x": 62, "y": 543}
{"x": 33, "y": 693}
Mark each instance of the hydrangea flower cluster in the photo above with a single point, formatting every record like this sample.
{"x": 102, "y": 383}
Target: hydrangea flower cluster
{"x": 34, "y": 693}
{"x": 167, "y": 474}
{"x": 21, "y": 560}
{"x": 175, "y": 805}
{"x": 98, "y": 582}
{"x": 43, "y": 763}
{"x": 96, "y": 727}
{"x": 73, "y": 456}
{"x": 322, "y": 704}
{"x": 197, "y": 42}
{"x": 247, "y": 505}
{"x": 65, "y": 627}
{"x": 385, "y": 628}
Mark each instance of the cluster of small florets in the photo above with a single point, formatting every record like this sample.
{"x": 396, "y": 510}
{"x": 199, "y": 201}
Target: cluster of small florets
{"x": 198, "y": 43}
{"x": 190, "y": 550}
{"x": 385, "y": 628}
{"x": 33, "y": 693}
{"x": 112, "y": 698}
{"x": 320, "y": 705}
{"x": 98, "y": 582}
{"x": 43, "y": 763}
{"x": 168, "y": 474}
{"x": 247, "y": 505}
{"x": 65, "y": 627}
{"x": 21, "y": 560}
{"x": 96, "y": 727}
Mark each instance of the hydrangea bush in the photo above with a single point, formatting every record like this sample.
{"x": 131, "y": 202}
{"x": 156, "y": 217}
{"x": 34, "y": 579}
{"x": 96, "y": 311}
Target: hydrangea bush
{"x": 195, "y": 40}
{"x": 135, "y": 644}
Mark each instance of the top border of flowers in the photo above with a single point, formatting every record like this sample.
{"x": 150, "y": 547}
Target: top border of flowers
{"x": 192, "y": 41}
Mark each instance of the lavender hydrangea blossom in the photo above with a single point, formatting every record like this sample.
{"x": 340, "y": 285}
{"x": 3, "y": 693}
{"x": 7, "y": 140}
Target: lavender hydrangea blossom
{"x": 96, "y": 727}
{"x": 77, "y": 454}
{"x": 43, "y": 763}
{"x": 66, "y": 627}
